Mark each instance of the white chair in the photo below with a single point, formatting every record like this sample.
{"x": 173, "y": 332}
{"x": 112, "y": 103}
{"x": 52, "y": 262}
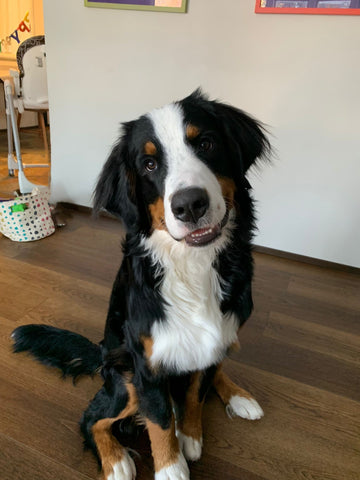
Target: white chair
{"x": 30, "y": 93}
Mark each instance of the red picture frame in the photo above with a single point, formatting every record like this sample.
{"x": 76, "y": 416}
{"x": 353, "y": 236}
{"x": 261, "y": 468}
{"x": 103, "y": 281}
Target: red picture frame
{"x": 307, "y": 10}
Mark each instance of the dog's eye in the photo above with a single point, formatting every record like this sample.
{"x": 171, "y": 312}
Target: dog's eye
{"x": 150, "y": 164}
{"x": 206, "y": 144}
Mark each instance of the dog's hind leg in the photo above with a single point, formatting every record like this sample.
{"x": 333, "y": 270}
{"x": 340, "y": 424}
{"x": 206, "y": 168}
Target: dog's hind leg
{"x": 116, "y": 463}
{"x": 238, "y": 401}
{"x": 97, "y": 424}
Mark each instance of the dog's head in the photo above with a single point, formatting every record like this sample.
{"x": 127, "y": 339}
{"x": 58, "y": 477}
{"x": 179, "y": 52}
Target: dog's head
{"x": 179, "y": 169}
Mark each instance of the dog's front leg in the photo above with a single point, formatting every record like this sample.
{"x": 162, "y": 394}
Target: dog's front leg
{"x": 169, "y": 461}
{"x": 189, "y": 426}
{"x": 238, "y": 402}
{"x": 156, "y": 408}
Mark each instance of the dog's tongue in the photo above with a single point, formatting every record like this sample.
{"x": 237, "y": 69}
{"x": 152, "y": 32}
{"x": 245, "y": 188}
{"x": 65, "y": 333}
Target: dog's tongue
{"x": 202, "y": 236}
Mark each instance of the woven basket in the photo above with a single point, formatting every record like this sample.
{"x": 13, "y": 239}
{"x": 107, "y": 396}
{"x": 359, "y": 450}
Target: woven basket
{"x": 27, "y": 218}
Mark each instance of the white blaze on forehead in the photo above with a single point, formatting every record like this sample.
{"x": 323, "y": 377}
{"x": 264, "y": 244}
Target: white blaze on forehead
{"x": 184, "y": 168}
{"x": 168, "y": 123}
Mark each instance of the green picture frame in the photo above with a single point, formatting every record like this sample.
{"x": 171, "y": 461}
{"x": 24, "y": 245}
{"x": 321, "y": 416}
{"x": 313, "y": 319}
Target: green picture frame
{"x": 146, "y": 5}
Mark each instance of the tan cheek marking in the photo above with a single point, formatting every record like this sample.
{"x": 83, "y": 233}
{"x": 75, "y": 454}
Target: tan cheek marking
{"x": 191, "y": 424}
{"x": 228, "y": 189}
{"x": 150, "y": 148}
{"x": 157, "y": 212}
{"x": 226, "y": 388}
{"x": 192, "y": 132}
{"x": 164, "y": 444}
{"x": 109, "y": 449}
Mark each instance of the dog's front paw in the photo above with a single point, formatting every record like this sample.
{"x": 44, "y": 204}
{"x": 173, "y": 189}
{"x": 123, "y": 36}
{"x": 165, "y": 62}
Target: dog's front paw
{"x": 122, "y": 470}
{"x": 175, "y": 471}
{"x": 243, "y": 407}
{"x": 191, "y": 447}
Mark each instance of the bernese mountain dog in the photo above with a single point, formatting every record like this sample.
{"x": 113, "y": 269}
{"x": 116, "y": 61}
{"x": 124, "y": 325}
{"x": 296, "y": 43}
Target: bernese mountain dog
{"x": 177, "y": 180}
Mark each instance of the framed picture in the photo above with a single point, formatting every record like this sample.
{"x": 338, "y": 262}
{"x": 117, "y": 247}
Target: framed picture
{"x": 157, "y": 5}
{"x": 317, "y": 7}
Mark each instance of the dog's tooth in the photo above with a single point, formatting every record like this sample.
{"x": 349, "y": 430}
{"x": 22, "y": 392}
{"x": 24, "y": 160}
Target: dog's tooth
{"x": 202, "y": 234}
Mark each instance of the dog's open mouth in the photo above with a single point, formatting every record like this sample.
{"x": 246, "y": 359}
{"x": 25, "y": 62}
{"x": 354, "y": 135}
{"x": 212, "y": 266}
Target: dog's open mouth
{"x": 203, "y": 236}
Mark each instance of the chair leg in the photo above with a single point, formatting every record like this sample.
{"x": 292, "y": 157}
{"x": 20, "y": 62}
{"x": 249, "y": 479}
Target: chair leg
{"x": 43, "y": 128}
{"x": 19, "y": 120}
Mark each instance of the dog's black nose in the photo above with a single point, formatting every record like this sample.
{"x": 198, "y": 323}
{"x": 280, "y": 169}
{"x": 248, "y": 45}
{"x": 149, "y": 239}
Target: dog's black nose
{"x": 190, "y": 204}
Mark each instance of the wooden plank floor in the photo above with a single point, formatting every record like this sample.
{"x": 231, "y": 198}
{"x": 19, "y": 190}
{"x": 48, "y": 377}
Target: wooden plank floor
{"x": 299, "y": 357}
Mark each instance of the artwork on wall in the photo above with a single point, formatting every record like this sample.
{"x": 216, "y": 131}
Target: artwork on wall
{"x": 157, "y": 5}
{"x": 319, "y": 7}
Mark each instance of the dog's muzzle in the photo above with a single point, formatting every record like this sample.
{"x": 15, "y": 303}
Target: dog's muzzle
{"x": 190, "y": 205}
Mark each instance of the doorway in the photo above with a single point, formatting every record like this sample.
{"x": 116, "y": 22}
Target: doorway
{"x": 19, "y": 21}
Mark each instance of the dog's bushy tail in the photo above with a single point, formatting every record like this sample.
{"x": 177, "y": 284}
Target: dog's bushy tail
{"x": 72, "y": 353}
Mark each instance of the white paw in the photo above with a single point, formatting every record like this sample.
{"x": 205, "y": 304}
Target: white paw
{"x": 244, "y": 407}
{"x": 191, "y": 447}
{"x": 124, "y": 470}
{"x": 176, "y": 471}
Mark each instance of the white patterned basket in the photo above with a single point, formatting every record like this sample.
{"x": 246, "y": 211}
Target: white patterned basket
{"x": 33, "y": 223}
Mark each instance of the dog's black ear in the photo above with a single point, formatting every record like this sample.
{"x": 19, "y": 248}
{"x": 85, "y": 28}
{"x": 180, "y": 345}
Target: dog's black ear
{"x": 244, "y": 133}
{"x": 115, "y": 191}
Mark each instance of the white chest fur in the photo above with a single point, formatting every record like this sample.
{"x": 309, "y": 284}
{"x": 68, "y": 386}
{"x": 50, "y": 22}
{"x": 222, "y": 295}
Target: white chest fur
{"x": 194, "y": 334}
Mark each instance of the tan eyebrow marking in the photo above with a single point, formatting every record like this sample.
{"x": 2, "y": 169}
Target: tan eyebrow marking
{"x": 192, "y": 131}
{"x": 150, "y": 148}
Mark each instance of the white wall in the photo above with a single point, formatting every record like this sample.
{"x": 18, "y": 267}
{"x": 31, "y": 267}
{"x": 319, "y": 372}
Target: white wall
{"x": 299, "y": 74}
